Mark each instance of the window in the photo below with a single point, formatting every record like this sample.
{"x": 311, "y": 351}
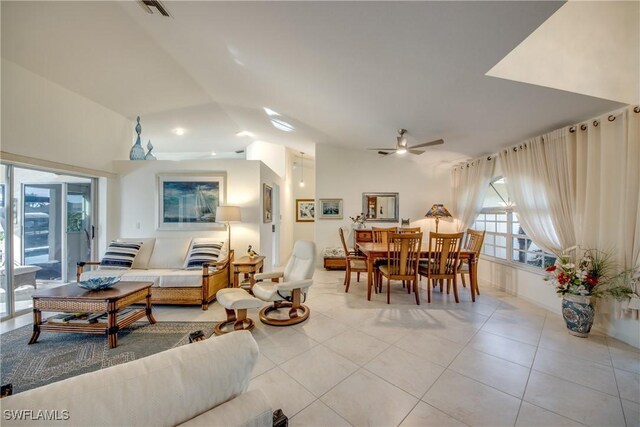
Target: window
{"x": 504, "y": 238}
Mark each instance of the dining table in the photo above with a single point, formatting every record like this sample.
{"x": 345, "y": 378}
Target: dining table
{"x": 373, "y": 251}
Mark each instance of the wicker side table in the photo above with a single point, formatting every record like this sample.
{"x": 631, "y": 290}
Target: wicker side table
{"x": 71, "y": 298}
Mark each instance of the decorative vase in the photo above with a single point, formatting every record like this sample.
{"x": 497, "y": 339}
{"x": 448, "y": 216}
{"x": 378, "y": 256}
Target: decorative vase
{"x": 137, "y": 152}
{"x": 149, "y": 156}
{"x": 578, "y": 313}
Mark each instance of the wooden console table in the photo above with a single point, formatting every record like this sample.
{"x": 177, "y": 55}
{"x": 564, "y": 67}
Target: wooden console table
{"x": 74, "y": 299}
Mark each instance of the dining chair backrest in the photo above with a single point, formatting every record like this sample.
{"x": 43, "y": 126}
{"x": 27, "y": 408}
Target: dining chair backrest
{"x": 409, "y": 230}
{"x": 381, "y": 235}
{"x": 403, "y": 253}
{"x": 344, "y": 243}
{"x": 474, "y": 241}
{"x": 444, "y": 252}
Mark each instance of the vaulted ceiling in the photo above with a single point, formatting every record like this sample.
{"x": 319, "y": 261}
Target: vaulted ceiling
{"x": 340, "y": 73}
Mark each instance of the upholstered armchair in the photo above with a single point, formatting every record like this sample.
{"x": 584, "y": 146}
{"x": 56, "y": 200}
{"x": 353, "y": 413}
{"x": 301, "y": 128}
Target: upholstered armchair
{"x": 289, "y": 287}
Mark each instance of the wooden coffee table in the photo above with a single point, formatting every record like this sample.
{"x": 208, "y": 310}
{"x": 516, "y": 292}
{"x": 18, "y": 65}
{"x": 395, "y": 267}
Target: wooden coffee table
{"x": 73, "y": 299}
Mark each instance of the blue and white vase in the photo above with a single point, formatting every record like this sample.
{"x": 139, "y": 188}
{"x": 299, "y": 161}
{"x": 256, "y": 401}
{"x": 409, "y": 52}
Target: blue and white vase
{"x": 137, "y": 152}
{"x": 578, "y": 313}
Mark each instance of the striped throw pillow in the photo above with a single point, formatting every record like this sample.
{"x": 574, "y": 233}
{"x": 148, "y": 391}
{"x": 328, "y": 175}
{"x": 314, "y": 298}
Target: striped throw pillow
{"x": 201, "y": 253}
{"x": 120, "y": 255}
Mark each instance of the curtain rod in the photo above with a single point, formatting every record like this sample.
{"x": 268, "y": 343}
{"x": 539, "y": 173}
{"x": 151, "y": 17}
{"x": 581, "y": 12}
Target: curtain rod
{"x": 572, "y": 129}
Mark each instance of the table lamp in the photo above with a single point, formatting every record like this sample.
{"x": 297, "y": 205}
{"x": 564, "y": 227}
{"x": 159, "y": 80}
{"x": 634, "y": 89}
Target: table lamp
{"x": 227, "y": 215}
{"x": 438, "y": 211}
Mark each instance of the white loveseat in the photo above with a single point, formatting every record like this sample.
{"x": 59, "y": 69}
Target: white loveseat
{"x": 161, "y": 260}
{"x": 199, "y": 384}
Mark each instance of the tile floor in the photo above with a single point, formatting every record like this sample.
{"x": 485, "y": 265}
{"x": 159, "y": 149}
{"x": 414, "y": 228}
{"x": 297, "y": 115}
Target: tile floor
{"x": 498, "y": 361}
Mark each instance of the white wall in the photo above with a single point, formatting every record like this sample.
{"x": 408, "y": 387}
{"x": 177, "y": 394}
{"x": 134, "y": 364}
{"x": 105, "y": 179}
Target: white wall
{"x": 272, "y": 155}
{"x": 345, "y": 174}
{"x": 303, "y": 230}
{"x": 137, "y": 187}
{"x": 281, "y": 219}
{"x": 43, "y": 120}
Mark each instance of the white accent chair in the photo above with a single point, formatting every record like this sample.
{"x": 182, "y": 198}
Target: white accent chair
{"x": 288, "y": 288}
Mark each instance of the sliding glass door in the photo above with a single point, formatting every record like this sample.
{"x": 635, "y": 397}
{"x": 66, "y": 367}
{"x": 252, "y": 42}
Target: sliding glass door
{"x": 50, "y": 230}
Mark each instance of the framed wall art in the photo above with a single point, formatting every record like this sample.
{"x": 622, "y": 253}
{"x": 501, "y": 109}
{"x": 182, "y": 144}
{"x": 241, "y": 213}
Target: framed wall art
{"x": 305, "y": 210}
{"x": 267, "y": 203}
{"x": 189, "y": 201}
{"x": 330, "y": 209}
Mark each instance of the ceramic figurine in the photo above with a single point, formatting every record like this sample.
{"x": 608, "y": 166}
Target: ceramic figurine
{"x": 251, "y": 252}
{"x": 149, "y": 156}
{"x": 137, "y": 152}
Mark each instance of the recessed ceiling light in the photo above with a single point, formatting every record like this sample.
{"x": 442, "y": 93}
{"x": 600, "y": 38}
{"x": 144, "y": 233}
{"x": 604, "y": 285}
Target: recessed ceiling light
{"x": 245, "y": 133}
{"x": 179, "y": 131}
{"x": 213, "y": 153}
{"x": 282, "y": 125}
{"x": 270, "y": 112}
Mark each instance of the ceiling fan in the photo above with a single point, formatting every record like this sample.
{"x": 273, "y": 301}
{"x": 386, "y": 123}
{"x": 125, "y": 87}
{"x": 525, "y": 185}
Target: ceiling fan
{"x": 401, "y": 146}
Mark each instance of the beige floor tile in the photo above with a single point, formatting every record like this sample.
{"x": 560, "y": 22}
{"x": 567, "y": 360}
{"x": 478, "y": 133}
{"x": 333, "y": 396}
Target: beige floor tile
{"x": 512, "y": 331}
{"x": 317, "y": 415}
{"x": 262, "y": 365}
{"x": 471, "y": 402}
{"x": 319, "y": 369}
{"x": 283, "y": 344}
{"x": 384, "y": 329}
{"x": 364, "y": 399}
{"x": 356, "y": 346}
{"x": 506, "y": 376}
{"x": 589, "y": 374}
{"x": 593, "y": 348}
{"x": 573, "y": 401}
{"x": 430, "y": 347}
{"x": 533, "y": 416}
{"x": 629, "y": 385}
{"x": 504, "y": 348}
{"x": 320, "y": 327}
{"x": 404, "y": 370}
{"x": 631, "y": 413}
{"x": 624, "y": 359}
{"x": 424, "y": 415}
{"x": 283, "y": 391}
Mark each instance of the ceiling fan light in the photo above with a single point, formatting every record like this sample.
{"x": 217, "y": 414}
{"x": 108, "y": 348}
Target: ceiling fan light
{"x": 401, "y": 150}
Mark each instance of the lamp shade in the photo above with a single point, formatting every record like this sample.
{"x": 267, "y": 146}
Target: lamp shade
{"x": 438, "y": 211}
{"x": 228, "y": 214}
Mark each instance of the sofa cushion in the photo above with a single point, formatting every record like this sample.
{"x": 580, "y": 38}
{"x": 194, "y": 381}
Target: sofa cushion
{"x": 203, "y": 251}
{"x": 149, "y": 275}
{"x": 176, "y": 278}
{"x": 120, "y": 255}
{"x": 169, "y": 252}
{"x": 142, "y": 260}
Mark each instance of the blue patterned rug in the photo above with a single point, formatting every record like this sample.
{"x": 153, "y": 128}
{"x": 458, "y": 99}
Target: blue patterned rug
{"x": 57, "y": 356}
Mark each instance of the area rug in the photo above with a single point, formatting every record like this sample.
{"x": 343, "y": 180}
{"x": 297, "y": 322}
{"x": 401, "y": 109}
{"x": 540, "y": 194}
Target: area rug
{"x": 57, "y": 356}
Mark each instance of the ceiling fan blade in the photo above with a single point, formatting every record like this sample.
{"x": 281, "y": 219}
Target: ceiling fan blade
{"x": 384, "y": 153}
{"x": 412, "y": 151}
{"x": 429, "y": 144}
{"x": 382, "y": 149}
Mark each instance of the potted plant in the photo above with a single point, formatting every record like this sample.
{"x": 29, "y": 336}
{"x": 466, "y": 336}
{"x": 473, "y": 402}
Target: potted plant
{"x": 581, "y": 281}
{"x": 358, "y": 221}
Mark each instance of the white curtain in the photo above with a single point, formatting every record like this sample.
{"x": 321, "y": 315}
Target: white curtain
{"x": 540, "y": 178}
{"x": 608, "y": 188}
{"x": 469, "y": 187}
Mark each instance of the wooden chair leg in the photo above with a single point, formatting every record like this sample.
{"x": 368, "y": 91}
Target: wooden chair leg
{"x": 448, "y": 286}
{"x": 441, "y": 284}
{"x": 416, "y": 289}
{"x": 428, "y": 290}
{"x": 455, "y": 289}
{"x": 464, "y": 283}
{"x": 388, "y": 291}
{"x": 358, "y": 276}
{"x": 348, "y": 279}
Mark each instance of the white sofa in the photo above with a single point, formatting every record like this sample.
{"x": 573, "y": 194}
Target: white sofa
{"x": 199, "y": 384}
{"x": 161, "y": 260}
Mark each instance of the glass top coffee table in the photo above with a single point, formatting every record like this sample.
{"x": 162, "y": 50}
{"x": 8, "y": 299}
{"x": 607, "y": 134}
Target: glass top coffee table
{"x": 73, "y": 299}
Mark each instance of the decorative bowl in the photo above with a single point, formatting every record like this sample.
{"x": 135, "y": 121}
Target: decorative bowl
{"x": 98, "y": 283}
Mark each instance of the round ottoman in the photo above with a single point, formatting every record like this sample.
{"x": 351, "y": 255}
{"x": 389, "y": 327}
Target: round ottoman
{"x": 236, "y": 302}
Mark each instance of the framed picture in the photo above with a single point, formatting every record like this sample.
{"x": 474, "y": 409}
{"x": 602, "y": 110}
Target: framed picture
{"x": 189, "y": 202}
{"x": 330, "y": 209}
{"x": 305, "y": 210}
{"x": 267, "y": 203}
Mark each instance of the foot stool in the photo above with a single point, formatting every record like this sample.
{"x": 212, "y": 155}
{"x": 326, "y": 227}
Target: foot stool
{"x": 233, "y": 299}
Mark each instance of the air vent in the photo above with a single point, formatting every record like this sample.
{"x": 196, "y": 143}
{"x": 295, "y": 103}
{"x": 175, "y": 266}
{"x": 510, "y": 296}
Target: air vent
{"x": 149, "y": 5}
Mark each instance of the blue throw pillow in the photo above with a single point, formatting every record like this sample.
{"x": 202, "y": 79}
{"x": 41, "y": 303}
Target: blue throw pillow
{"x": 120, "y": 255}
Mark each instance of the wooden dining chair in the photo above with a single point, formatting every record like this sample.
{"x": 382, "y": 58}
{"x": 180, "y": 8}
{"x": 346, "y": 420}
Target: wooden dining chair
{"x": 409, "y": 230}
{"x": 381, "y": 234}
{"x": 442, "y": 262}
{"x": 355, "y": 264}
{"x": 473, "y": 242}
{"x": 403, "y": 254}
